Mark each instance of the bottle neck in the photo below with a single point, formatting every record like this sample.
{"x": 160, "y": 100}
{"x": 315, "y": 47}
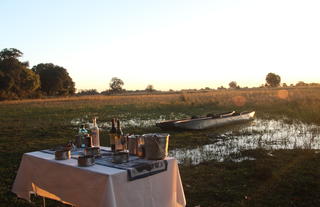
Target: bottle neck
{"x": 113, "y": 128}
{"x": 118, "y": 130}
{"x": 118, "y": 125}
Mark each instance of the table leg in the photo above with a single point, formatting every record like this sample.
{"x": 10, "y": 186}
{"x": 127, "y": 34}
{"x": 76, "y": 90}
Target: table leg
{"x": 43, "y": 202}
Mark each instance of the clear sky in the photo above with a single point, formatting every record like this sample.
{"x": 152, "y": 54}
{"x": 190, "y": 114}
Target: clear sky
{"x": 171, "y": 44}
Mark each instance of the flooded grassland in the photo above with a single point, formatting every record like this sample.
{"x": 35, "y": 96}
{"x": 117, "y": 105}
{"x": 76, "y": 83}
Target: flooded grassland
{"x": 271, "y": 161}
{"x": 264, "y": 162}
{"x": 229, "y": 143}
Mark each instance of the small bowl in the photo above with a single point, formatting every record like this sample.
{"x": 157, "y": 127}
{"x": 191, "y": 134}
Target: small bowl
{"x": 62, "y": 154}
{"x": 86, "y": 160}
{"x": 120, "y": 157}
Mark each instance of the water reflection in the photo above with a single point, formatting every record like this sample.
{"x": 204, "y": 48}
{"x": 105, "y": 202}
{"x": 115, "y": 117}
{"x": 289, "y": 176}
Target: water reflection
{"x": 126, "y": 122}
{"x": 266, "y": 134}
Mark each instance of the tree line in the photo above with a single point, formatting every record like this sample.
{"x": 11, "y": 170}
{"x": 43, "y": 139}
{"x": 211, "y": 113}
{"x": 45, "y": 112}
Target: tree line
{"x": 18, "y": 80}
{"x": 274, "y": 80}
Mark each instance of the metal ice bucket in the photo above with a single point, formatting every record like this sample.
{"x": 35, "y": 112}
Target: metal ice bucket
{"x": 156, "y": 145}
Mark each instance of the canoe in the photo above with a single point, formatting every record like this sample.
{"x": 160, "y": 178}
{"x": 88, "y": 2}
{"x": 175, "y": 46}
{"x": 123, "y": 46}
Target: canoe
{"x": 215, "y": 120}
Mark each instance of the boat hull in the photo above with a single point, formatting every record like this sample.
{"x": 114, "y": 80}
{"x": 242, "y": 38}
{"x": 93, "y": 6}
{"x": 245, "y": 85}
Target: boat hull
{"x": 209, "y": 122}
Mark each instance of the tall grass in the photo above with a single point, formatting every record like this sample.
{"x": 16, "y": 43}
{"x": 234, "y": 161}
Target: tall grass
{"x": 301, "y": 103}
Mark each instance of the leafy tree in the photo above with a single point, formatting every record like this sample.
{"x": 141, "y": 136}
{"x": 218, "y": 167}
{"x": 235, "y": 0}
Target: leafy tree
{"x": 116, "y": 85}
{"x": 273, "y": 80}
{"x": 150, "y": 88}
{"x": 55, "y": 80}
{"x": 233, "y": 85}
{"x": 10, "y": 53}
{"x": 16, "y": 80}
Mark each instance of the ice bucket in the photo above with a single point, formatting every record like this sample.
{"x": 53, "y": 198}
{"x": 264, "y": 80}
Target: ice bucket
{"x": 156, "y": 146}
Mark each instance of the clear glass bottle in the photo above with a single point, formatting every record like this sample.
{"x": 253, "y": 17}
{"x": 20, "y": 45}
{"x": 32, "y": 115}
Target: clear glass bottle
{"x": 112, "y": 135}
{"x": 95, "y": 133}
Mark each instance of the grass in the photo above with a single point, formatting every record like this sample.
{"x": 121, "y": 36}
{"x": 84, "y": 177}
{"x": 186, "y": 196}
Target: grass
{"x": 30, "y": 125}
{"x": 289, "y": 178}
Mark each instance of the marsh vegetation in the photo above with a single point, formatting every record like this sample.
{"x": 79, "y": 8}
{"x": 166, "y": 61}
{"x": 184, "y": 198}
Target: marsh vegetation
{"x": 272, "y": 161}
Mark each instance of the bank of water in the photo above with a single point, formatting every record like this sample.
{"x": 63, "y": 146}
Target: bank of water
{"x": 259, "y": 134}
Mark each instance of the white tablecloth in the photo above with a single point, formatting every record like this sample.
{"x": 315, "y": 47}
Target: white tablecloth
{"x": 96, "y": 186}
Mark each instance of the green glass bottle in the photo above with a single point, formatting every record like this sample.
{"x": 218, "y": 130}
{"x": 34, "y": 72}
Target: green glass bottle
{"x": 112, "y": 135}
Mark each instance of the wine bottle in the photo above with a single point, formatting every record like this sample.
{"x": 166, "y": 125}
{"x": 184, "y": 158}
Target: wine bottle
{"x": 119, "y": 137}
{"x": 112, "y": 135}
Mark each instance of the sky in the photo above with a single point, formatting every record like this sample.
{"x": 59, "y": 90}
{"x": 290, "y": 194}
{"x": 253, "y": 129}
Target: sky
{"x": 170, "y": 44}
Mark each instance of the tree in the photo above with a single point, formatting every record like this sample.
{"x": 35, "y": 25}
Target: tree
{"x": 314, "y": 84}
{"x": 233, "y": 85}
{"x": 273, "y": 80}
{"x": 87, "y": 92}
{"x": 116, "y": 85}
{"x": 55, "y": 80}
{"x": 10, "y": 53}
{"x": 150, "y": 88}
{"x": 16, "y": 80}
{"x": 301, "y": 83}
{"x": 221, "y": 88}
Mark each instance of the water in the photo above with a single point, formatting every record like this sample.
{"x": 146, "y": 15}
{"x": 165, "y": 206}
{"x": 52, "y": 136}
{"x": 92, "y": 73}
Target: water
{"x": 228, "y": 144}
{"x": 260, "y": 134}
{"x": 139, "y": 122}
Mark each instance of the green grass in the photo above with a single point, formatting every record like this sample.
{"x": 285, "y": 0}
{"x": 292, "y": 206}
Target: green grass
{"x": 290, "y": 178}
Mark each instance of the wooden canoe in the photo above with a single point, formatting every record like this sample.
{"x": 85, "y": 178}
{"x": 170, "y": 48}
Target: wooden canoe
{"x": 216, "y": 120}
